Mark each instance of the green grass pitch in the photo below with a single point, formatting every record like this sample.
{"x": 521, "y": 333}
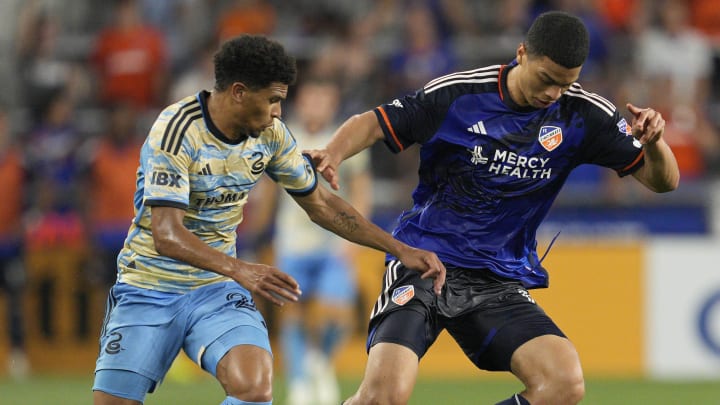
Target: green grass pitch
{"x": 75, "y": 390}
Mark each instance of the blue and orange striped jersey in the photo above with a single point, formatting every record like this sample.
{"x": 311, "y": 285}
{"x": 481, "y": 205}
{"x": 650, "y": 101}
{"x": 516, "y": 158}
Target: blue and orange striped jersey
{"x": 186, "y": 162}
{"x": 490, "y": 169}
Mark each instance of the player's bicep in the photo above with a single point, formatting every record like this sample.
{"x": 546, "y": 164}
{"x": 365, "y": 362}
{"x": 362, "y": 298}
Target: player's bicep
{"x": 292, "y": 170}
{"x": 410, "y": 119}
{"x": 612, "y": 145}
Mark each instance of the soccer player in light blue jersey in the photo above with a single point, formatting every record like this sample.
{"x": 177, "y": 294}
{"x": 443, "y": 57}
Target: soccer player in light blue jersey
{"x": 313, "y": 329}
{"x": 496, "y": 145}
{"x": 179, "y": 283}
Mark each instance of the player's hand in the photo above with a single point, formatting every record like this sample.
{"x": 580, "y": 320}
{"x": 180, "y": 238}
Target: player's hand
{"x": 426, "y": 263}
{"x": 268, "y": 282}
{"x": 326, "y": 166}
{"x": 648, "y": 125}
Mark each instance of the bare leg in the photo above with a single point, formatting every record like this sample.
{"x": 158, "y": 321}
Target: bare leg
{"x": 549, "y": 367}
{"x": 245, "y": 373}
{"x": 389, "y": 376}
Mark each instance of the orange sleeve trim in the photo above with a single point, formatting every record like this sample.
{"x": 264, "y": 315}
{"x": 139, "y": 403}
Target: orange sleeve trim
{"x": 500, "y": 73}
{"x": 390, "y": 128}
{"x": 634, "y": 162}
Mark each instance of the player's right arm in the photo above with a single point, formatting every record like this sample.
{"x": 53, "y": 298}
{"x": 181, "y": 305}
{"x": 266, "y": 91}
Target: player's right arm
{"x": 359, "y": 132}
{"x": 173, "y": 239}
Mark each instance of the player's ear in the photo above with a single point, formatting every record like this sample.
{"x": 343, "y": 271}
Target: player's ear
{"x": 237, "y": 90}
{"x": 521, "y": 51}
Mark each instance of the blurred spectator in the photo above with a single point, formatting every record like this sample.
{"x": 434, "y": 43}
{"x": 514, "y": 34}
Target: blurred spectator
{"x": 426, "y": 54}
{"x": 130, "y": 59}
{"x": 247, "y": 17}
{"x": 348, "y": 59}
{"x": 43, "y": 69}
{"x": 53, "y": 168}
{"x": 705, "y": 16}
{"x": 200, "y": 74}
{"x": 111, "y": 162}
{"x": 321, "y": 262}
{"x": 624, "y": 16}
{"x": 672, "y": 50}
{"x": 185, "y": 24}
{"x": 12, "y": 272}
{"x": 675, "y": 63}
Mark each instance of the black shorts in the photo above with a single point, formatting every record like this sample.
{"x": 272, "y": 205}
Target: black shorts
{"x": 487, "y": 315}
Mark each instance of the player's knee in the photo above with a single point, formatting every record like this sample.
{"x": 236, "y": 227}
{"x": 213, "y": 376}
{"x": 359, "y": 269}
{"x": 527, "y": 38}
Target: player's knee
{"x": 564, "y": 387}
{"x": 385, "y": 394}
{"x": 250, "y": 388}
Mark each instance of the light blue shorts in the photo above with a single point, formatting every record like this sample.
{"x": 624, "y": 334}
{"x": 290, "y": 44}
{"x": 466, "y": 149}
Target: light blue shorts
{"x": 321, "y": 276}
{"x": 144, "y": 330}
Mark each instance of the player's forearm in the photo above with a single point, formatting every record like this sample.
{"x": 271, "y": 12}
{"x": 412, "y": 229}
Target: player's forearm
{"x": 660, "y": 171}
{"x": 183, "y": 245}
{"x": 341, "y": 218}
{"x": 356, "y": 134}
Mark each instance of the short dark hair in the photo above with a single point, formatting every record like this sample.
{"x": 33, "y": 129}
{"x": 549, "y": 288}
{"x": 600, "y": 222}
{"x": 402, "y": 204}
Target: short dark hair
{"x": 560, "y": 36}
{"x": 254, "y": 60}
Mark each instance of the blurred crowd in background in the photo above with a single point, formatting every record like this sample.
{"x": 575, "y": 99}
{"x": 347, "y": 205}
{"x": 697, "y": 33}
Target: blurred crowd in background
{"x": 83, "y": 80}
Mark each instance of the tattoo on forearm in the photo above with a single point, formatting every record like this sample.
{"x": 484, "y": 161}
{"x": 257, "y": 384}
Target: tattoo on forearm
{"x": 346, "y": 222}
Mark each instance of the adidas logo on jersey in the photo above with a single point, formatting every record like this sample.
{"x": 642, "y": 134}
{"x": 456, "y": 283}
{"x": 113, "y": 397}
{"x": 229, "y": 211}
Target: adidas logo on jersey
{"x": 478, "y": 128}
{"x": 205, "y": 170}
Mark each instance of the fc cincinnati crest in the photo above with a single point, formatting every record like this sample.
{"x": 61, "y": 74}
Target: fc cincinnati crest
{"x": 402, "y": 295}
{"x": 550, "y": 137}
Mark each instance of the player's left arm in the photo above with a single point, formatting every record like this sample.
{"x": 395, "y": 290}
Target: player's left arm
{"x": 338, "y": 216}
{"x": 660, "y": 172}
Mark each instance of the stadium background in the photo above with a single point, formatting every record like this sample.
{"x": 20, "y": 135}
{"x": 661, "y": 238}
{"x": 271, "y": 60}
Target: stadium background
{"x": 635, "y": 280}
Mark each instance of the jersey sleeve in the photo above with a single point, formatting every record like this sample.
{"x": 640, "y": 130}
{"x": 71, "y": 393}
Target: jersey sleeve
{"x": 165, "y": 159}
{"x": 288, "y": 167}
{"x": 412, "y": 119}
{"x": 610, "y": 143}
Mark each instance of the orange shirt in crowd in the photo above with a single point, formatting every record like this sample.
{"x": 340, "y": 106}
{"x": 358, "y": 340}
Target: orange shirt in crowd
{"x": 113, "y": 184}
{"x": 11, "y": 183}
{"x": 255, "y": 18}
{"x": 130, "y": 64}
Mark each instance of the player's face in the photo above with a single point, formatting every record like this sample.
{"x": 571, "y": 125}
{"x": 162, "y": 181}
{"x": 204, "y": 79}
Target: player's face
{"x": 259, "y": 108}
{"x": 541, "y": 81}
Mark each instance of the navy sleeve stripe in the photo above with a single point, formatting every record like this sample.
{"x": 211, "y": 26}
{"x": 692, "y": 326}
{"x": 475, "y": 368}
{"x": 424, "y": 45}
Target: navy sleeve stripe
{"x": 165, "y": 203}
{"x": 171, "y": 140}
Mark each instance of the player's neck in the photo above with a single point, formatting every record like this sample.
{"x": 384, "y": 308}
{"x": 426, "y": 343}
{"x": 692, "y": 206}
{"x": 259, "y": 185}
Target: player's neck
{"x": 513, "y": 87}
{"x": 218, "y": 114}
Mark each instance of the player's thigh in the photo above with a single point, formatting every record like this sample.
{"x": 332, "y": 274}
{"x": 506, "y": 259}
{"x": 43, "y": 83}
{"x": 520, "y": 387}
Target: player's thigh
{"x": 141, "y": 334}
{"x": 224, "y": 316}
{"x": 546, "y": 357}
{"x": 491, "y": 333}
{"x": 390, "y": 374}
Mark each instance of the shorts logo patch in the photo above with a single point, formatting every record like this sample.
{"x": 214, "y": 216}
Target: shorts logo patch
{"x": 550, "y": 137}
{"x": 402, "y": 295}
{"x": 624, "y": 127}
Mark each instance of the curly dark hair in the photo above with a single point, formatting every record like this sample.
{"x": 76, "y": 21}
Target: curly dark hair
{"x": 254, "y": 60}
{"x": 560, "y": 36}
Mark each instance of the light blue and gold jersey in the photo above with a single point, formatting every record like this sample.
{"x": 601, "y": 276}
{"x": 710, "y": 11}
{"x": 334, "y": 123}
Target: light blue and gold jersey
{"x": 186, "y": 162}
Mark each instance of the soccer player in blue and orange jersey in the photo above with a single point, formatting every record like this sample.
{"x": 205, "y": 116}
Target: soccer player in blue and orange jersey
{"x": 496, "y": 145}
{"x": 179, "y": 283}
